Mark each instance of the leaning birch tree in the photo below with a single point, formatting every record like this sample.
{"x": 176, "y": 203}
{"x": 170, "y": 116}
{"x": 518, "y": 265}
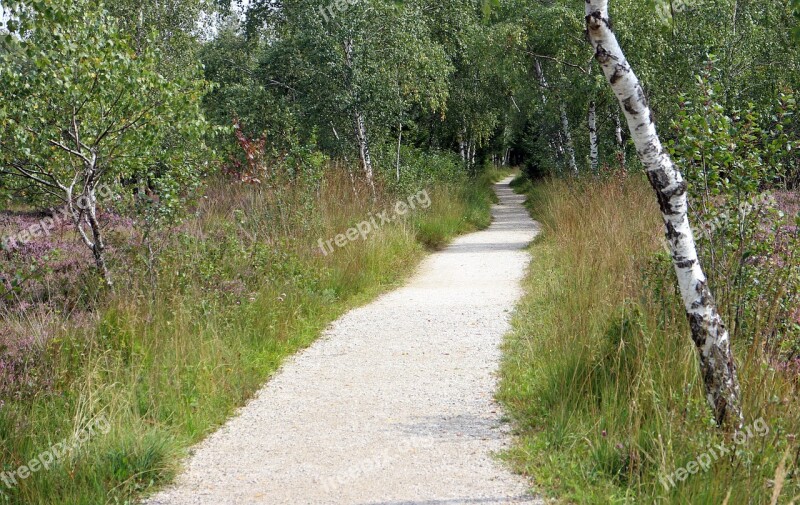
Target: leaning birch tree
{"x": 708, "y": 330}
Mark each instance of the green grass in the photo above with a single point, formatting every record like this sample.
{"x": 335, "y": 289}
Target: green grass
{"x": 241, "y": 286}
{"x": 472, "y": 205}
{"x": 600, "y": 375}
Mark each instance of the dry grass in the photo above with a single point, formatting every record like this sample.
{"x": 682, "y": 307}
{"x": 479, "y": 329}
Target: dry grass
{"x": 601, "y": 375}
{"x": 240, "y": 285}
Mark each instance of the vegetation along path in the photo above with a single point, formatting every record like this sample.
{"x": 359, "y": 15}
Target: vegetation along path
{"x": 395, "y": 404}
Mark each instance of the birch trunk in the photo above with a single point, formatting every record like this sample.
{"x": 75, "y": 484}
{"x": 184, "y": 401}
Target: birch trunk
{"x": 537, "y": 67}
{"x": 593, "y": 150}
{"x": 463, "y": 146}
{"x": 363, "y": 149}
{"x": 83, "y": 211}
{"x": 569, "y": 146}
{"x": 399, "y": 144}
{"x": 472, "y": 154}
{"x": 620, "y": 141}
{"x": 708, "y": 330}
{"x": 358, "y": 123}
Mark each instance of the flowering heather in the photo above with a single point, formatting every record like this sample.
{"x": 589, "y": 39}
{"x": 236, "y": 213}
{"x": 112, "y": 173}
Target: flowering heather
{"x": 23, "y": 363}
{"x": 49, "y": 269}
{"x": 788, "y": 202}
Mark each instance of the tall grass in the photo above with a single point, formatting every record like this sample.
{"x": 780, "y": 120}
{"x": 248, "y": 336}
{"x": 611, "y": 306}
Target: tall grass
{"x": 601, "y": 376}
{"x": 236, "y": 289}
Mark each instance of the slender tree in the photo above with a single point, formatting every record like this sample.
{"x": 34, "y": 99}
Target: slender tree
{"x": 620, "y": 141}
{"x": 593, "y": 148}
{"x": 573, "y": 165}
{"x": 93, "y": 113}
{"x": 708, "y": 330}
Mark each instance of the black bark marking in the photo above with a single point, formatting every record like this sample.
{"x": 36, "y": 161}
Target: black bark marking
{"x": 642, "y": 97}
{"x": 620, "y": 70}
{"x": 628, "y": 104}
{"x": 659, "y": 180}
{"x": 678, "y": 190}
{"x": 672, "y": 234}
{"x": 697, "y": 324}
{"x": 602, "y": 55}
{"x": 651, "y": 148}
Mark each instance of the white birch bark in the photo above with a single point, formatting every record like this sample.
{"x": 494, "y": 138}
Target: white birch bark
{"x": 569, "y": 146}
{"x": 359, "y": 124}
{"x": 593, "y": 150}
{"x": 620, "y": 141}
{"x": 363, "y": 150}
{"x": 537, "y": 66}
{"x": 708, "y": 330}
{"x": 399, "y": 144}
{"x": 556, "y": 145}
{"x": 463, "y": 146}
{"x": 471, "y": 153}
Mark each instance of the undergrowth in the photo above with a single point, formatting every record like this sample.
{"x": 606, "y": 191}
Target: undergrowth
{"x": 199, "y": 320}
{"x": 601, "y": 376}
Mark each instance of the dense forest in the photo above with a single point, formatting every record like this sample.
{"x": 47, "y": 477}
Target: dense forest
{"x": 168, "y": 169}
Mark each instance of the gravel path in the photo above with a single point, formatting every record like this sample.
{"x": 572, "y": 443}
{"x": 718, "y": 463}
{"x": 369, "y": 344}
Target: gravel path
{"x": 394, "y": 405}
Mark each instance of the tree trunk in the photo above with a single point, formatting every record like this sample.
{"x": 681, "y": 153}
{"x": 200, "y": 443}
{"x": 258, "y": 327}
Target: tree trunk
{"x": 708, "y": 330}
{"x": 363, "y": 150}
{"x": 85, "y": 213}
{"x": 557, "y": 144}
{"x": 537, "y": 66}
{"x": 593, "y": 150}
{"x": 472, "y": 149}
{"x": 359, "y": 124}
{"x": 620, "y": 141}
{"x": 570, "y": 147}
{"x": 99, "y": 246}
{"x": 399, "y": 143}
{"x": 463, "y": 146}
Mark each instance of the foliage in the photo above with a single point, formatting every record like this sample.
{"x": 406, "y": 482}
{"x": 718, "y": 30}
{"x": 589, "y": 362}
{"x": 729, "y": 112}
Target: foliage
{"x": 82, "y": 110}
{"x": 739, "y": 168}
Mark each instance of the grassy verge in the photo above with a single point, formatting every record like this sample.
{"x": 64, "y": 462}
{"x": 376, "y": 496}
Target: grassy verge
{"x": 168, "y": 358}
{"x": 601, "y": 378}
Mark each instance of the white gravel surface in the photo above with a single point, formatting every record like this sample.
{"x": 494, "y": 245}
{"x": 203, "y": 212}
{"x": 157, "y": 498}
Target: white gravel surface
{"x": 394, "y": 404}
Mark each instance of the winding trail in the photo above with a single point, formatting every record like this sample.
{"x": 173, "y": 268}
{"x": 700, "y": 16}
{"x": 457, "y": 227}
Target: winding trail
{"x": 394, "y": 405}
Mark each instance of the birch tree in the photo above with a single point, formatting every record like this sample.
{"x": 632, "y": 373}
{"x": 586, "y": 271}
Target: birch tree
{"x": 573, "y": 165}
{"x": 619, "y": 141}
{"x": 359, "y": 125}
{"x": 593, "y": 148}
{"x": 90, "y": 113}
{"x": 709, "y": 332}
